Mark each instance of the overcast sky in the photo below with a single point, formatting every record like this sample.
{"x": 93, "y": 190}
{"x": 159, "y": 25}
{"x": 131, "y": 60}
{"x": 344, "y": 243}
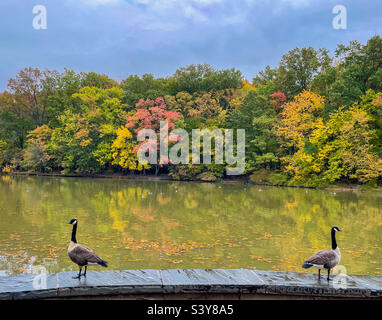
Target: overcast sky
{"x": 122, "y": 37}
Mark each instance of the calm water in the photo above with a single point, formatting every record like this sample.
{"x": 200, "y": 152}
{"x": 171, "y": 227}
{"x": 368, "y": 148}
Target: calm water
{"x": 167, "y": 225}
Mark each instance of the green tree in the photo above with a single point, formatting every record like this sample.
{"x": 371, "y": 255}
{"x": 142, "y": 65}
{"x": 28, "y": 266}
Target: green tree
{"x": 204, "y": 78}
{"x": 298, "y": 68}
{"x": 359, "y": 68}
{"x": 145, "y": 87}
{"x": 61, "y": 98}
{"x": 101, "y": 81}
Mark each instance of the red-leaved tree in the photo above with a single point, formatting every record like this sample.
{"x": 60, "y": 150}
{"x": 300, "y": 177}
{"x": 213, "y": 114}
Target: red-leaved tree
{"x": 279, "y": 98}
{"x": 149, "y": 115}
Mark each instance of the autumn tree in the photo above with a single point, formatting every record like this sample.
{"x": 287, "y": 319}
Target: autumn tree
{"x": 123, "y": 151}
{"x": 313, "y": 119}
{"x": 328, "y": 151}
{"x": 149, "y": 115}
{"x": 36, "y": 155}
{"x": 30, "y": 91}
{"x": 298, "y": 118}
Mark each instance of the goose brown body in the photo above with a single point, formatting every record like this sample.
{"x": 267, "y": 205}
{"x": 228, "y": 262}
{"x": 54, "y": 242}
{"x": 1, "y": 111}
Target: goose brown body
{"x": 325, "y": 259}
{"x": 83, "y": 255}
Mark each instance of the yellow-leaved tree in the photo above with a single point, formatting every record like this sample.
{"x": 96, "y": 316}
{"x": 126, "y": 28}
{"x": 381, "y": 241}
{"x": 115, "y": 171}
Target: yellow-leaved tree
{"x": 123, "y": 153}
{"x": 320, "y": 151}
{"x": 344, "y": 147}
{"x": 298, "y": 119}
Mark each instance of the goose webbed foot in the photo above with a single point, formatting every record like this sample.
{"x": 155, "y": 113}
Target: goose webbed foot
{"x": 79, "y": 275}
{"x": 329, "y": 276}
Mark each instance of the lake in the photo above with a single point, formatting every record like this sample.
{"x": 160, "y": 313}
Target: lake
{"x": 171, "y": 225}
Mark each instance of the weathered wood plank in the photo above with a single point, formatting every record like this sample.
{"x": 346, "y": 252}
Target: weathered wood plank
{"x": 238, "y": 283}
{"x": 209, "y": 277}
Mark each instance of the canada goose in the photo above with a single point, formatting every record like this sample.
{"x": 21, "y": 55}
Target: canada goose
{"x": 325, "y": 259}
{"x": 80, "y": 254}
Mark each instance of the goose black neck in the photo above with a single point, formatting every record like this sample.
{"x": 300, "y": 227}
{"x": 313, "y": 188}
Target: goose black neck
{"x": 74, "y": 231}
{"x": 334, "y": 242}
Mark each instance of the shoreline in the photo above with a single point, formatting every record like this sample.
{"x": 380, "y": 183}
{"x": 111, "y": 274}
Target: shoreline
{"x": 166, "y": 177}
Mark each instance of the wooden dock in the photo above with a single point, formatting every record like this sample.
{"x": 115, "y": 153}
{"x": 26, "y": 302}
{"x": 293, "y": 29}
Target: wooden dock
{"x": 230, "y": 284}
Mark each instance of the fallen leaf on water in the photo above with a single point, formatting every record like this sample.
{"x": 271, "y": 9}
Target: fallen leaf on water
{"x": 134, "y": 260}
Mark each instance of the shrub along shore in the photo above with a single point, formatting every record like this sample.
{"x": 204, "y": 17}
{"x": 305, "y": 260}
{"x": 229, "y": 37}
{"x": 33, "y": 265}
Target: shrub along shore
{"x": 314, "y": 120}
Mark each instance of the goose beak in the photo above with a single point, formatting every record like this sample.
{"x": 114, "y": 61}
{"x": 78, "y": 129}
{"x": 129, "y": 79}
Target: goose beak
{"x": 68, "y": 222}
{"x": 339, "y": 230}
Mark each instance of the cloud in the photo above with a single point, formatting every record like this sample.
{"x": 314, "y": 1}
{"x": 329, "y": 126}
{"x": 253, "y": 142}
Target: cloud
{"x": 173, "y": 11}
{"x": 99, "y": 2}
{"x": 171, "y": 15}
{"x": 194, "y": 14}
{"x": 121, "y": 37}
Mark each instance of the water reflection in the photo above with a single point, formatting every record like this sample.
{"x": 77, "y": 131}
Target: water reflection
{"x": 162, "y": 225}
